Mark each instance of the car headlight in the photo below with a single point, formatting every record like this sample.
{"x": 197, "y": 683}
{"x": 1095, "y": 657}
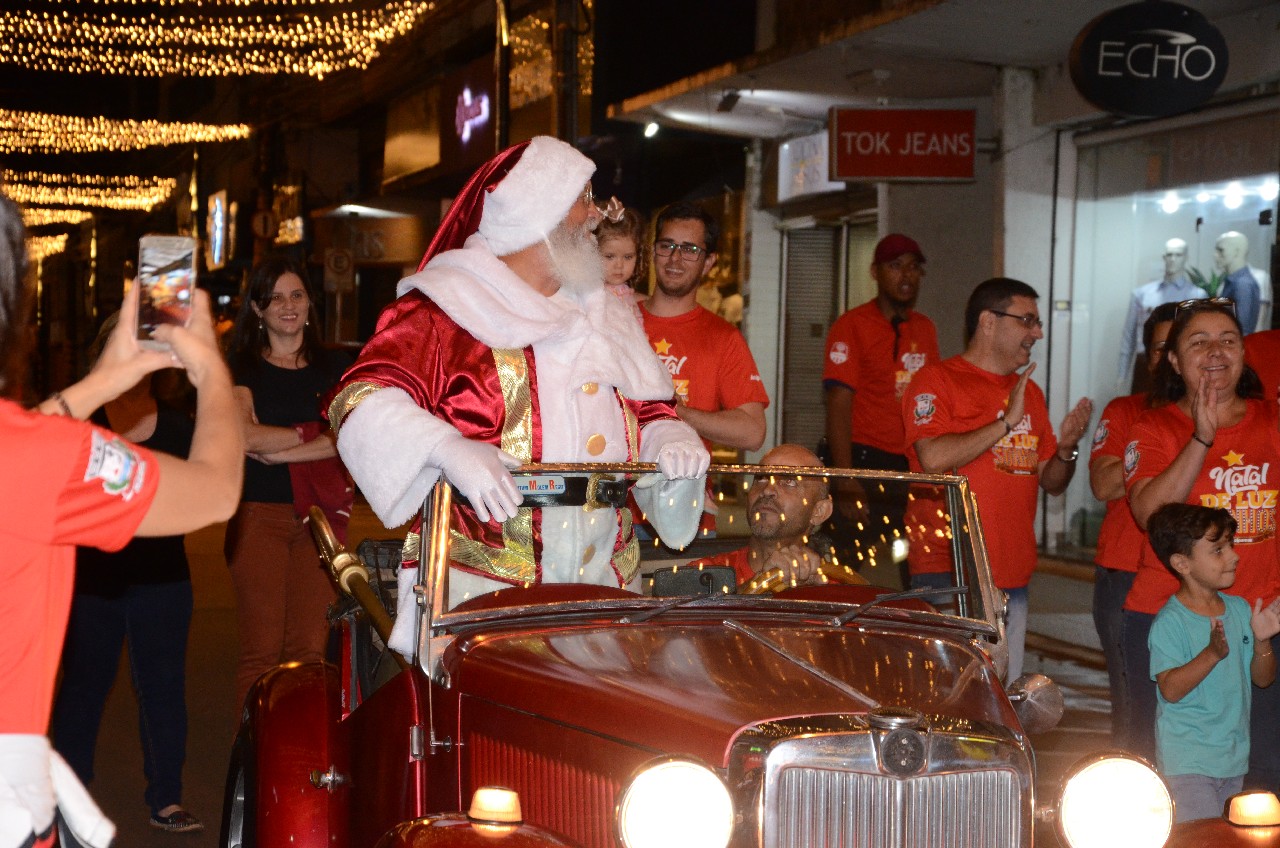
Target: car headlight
{"x": 1117, "y": 800}
{"x": 675, "y": 804}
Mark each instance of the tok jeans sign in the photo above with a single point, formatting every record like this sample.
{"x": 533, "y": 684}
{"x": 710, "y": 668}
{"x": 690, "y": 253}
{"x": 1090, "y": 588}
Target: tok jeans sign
{"x": 1148, "y": 59}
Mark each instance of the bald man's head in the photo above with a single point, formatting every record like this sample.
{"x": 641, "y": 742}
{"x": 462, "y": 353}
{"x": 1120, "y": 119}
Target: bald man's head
{"x": 783, "y": 507}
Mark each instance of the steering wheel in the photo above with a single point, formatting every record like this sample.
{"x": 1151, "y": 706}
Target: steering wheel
{"x": 774, "y": 579}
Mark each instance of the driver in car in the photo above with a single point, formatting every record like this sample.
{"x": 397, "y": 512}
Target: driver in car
{"x": 505, "y": 349}
{"x": 783, "y": 512}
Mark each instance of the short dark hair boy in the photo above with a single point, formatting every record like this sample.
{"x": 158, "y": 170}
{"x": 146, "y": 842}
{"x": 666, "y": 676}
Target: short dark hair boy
{"x": 1206, "y": 648}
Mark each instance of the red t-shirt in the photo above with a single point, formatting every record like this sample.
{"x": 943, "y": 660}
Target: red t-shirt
{"x": 70, "y": 483}
{"x": 1262, "y": 354}
{"x": 1241, "y": 473}
{"x": 1120, "y": 539}
{"x": 860, "y": 355}
{"x": 955, "y": 396}
{"x": 709, "y": 361}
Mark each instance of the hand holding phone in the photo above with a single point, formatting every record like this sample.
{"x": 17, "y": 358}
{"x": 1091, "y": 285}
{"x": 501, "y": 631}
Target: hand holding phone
{"x": 166, "y": 281}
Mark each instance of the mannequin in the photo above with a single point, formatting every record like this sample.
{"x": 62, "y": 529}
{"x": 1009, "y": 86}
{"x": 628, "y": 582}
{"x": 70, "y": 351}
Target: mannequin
{"x": 1230, "y": 256}
{"x": 1173, "y": 287}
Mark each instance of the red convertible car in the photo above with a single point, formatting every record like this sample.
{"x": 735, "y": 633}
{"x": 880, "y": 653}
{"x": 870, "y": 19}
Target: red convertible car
{"x": 677, "y": 712}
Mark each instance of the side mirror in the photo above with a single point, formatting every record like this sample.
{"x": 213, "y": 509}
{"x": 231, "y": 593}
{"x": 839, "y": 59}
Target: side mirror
{"x": 1038, "y": 702}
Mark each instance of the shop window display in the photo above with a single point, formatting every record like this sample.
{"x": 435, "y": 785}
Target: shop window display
{"x": 1163, "y": 218}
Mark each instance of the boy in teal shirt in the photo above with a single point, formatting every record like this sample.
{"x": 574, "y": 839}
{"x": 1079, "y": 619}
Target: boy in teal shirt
{"x": 1206, "y": 647}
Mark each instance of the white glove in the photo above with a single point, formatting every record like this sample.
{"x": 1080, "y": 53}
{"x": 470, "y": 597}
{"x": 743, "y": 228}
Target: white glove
{"x": 481, "y": 473}
{"x": 404, "y": 629}
{"x": 683, "y": 460}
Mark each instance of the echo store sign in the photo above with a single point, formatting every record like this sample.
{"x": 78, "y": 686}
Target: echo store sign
{"x": 1149, "y": 59}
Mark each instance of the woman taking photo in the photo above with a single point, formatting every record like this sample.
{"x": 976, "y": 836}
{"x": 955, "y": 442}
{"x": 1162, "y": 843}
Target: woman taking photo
{"x": 1215, "y": 443}
{"x": 78, "y": 484}
{"x": 282, "y": 376}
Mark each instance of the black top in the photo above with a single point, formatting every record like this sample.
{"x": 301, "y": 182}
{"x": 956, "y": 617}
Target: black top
{"x": 160, "y": 559}
{"x": 283, "y": 397}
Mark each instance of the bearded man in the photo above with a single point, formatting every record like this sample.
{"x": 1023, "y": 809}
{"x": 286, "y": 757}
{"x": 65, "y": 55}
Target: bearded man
{"x": 783, "y": 511}
{"x": 506, "y": 349}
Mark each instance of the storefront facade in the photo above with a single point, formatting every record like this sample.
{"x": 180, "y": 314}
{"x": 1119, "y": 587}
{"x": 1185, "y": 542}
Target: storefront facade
{"x": 1070, "y": 199}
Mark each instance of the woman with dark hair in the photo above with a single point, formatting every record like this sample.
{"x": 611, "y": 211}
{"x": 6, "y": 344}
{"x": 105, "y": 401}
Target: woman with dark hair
{"x": 1213, "y": 442}
{"x": 76, "y": 484}
{"x": 139, "y": 597}
{"x": 283, "y": 375}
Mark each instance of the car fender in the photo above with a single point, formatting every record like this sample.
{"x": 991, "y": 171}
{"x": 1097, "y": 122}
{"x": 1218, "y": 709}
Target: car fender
{"x": 299, "y": 763}
{"x": 455, "y": 830}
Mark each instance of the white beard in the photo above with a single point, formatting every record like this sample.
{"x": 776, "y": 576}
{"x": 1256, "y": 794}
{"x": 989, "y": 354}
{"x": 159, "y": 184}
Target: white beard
{"x": 576, "y": 260}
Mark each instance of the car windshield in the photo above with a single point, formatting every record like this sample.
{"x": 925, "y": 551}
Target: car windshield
{"x": 772, "y": 537}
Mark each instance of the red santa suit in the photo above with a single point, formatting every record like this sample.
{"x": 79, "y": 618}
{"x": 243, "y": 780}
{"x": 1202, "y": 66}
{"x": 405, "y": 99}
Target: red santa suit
{"x": 470, "y": 349}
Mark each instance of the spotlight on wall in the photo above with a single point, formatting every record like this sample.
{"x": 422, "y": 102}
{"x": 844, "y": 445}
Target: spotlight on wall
{"x": 728, "y": 100}
{"x": 650, "y": 129}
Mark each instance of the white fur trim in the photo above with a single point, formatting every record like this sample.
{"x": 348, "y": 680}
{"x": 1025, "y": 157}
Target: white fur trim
{"x": 535, "y": 196}
{"x": 387, "y": 442}
{"x": 488, "y": 300}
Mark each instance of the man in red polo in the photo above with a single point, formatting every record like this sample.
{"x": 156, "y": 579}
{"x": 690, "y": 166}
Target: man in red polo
{"x": 873, "y": 351}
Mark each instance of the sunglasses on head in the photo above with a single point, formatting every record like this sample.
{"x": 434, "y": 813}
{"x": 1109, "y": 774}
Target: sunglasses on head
{"x": 1203, "y": 304}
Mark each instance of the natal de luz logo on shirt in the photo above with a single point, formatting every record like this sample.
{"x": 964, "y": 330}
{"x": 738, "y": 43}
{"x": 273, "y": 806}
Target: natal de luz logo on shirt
{"x": 1243, "y": 490}
{"x": 912, "y": 361}
{"x": 675, "y": 365}
{"x": 1101, "y": 434}
{"x": 1019, "y": 451}
{"x": 116, "y": 464}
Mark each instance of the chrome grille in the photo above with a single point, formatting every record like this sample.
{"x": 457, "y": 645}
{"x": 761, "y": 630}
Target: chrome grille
{"x": 842, "y": 809}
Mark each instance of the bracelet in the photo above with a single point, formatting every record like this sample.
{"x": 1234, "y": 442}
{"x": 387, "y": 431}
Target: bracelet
{"x": 1259, "y": 653}
{"x": 57, "y": 398}
{"x": 1008, "y": 428}
{"x": 1196, "y": 436}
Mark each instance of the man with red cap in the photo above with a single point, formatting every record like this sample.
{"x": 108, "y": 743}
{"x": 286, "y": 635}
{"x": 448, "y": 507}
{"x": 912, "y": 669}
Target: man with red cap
{"x": 506, "y": 349}
{"x": 873, "y": 351}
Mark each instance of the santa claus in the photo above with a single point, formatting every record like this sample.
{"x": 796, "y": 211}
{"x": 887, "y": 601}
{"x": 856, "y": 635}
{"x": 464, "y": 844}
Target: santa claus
{"x": 506, "y": 349}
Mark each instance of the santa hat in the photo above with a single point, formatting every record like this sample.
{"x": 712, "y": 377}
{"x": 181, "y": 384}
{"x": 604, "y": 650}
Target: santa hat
{"x": 516, "y": 198}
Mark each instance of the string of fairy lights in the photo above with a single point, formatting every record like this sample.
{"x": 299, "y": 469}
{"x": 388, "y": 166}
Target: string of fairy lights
{"x": 37, "y": 216}
{"x": 41, "y": 247}
{"x": 41, "y": 132}
{"x": 201, "y": 44}
{"x": 36, "y": 188}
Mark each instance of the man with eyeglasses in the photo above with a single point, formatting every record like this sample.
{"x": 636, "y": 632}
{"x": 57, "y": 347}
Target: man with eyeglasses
{"x": 718, "y": 388}
{"x": 505, "y": 349}
{"x": 980, "y": 415}
{"x": 873, "y": 351}
{"x": 783, "y": 511}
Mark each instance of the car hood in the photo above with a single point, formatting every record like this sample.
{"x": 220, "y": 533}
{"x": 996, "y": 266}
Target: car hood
{"x": 691, "y": 687}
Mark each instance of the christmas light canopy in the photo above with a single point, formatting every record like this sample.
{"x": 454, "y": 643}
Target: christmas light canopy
{"x": 34, "y": 188}
{"x": 39, "y": 132}
{"x": 42, "y": 217}
{"x": 41, "y": 247}
{"x": 205, "y": 39}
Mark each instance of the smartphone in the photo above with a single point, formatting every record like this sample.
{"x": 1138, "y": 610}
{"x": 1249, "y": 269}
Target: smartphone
{"x": 166, "y": 281}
